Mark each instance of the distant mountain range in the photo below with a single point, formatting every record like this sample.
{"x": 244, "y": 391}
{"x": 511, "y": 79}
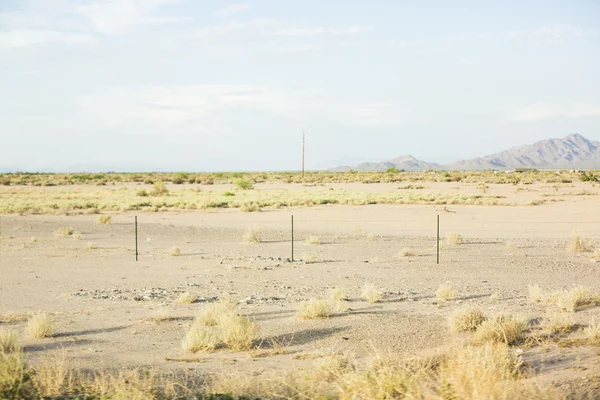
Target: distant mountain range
{"x": 573, "y": 151}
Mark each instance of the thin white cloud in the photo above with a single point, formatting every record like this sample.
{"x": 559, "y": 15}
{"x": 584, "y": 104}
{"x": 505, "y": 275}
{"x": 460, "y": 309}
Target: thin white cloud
{"x": 316, "y": 31}
{"x": 28, "y": 37}
{"x": 118, "y": 16}
{"x": 232, "y": 10}
{"x": 544, "y": 111}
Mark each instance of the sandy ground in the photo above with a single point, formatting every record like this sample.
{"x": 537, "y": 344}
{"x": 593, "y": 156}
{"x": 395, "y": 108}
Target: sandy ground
{"x": 103, "y": 301}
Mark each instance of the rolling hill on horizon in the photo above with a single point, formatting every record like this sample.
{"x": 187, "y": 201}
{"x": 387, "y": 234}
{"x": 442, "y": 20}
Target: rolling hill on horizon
{"x": 571, "y": 152}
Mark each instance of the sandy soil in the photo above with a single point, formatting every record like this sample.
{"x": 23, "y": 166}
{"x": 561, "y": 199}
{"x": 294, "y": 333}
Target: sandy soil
{"x": 104, "y": 301}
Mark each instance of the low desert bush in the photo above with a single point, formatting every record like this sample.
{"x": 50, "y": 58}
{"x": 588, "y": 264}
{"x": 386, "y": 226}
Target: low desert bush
{"x": 316, "y": 309}
{"x": 213, "y": 313}
{"x": 159, "y": 189}
{"x": 104, "y": 219}
{"x": 454, "y": 238}
{"x": 243, "y": 184}
{"x": 199, "y": 338}
{"x": 313, "y": 240}
{"x": 250, "y": 207}
{"x": 575, "y": 298}
{"x": 578, "y": 244}
{"x": 371, "y": 293}
{"x": 175, "y": 252}
{"x": 142, "y": 193}
{"x": 557, "y": 323}
{"x": 186, "y": 298}
{"x": 239, "y": 332}
{"x": 252, "y": 235}
{"x": 505, "y": 329}
{"x": 445, "y": 292}
{"x": 9, "y": 342}
{"x": 40, "y": 326}
{"x": 371, "y": 236}
{"x": 467, "y": 320}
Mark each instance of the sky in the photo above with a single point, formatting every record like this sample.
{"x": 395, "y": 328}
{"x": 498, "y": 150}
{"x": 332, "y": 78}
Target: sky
{"x": 196, "y": 85}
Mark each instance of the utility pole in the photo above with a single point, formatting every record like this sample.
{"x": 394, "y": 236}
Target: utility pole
{"x": 303, "y": 154}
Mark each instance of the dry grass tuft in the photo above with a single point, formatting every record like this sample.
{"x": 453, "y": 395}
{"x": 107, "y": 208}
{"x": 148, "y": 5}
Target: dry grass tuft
{"x": 371, "y": 236}
{"x": 239, "y": 332}
{"x": 9, "y": 342}
{"x": 371, "y": 293}
{"x": 104, "y": 220}
{"x": 445, "y": 292}
{"x": 90, "y": 246}
{"x": 575, "y": 298}
{"x": 175, "y": 252}
{"x": 505, "y": 329}
{"x": 592, "y": 333}
{"x": 557, "y": 323}
{"x": 314, "y": 240}
{"x": 511, "y": 244}
{"x": 252, "y": 235}
{"x": 199, "y": 338}
{"x": 467, "y": 320}
{"x": 578, "y": 244}
{"x": 406, "y": 252}
{"x": 596, "y": 254}
{"x": 454, "y": 238}
{"x": 338, "y": 294}
{"x": 310, "y": 259}
{"x": 66, "y": 231}
{"x": 213, "y": 313}
{"x": 250, "y": 207}
{"x": 316, "y": 309}
{"x": 40, "y": 326}
{"x": 186, "y": 298}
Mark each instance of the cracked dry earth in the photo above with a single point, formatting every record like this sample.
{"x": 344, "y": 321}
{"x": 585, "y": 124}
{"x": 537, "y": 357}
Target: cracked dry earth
{"x": 112, "y": 311}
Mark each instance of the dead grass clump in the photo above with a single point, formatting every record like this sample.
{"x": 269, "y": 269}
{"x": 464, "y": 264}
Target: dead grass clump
{"x": 186, "y": 298}
{"x": 310, "y": 259}
{"x": 578, "y": 244}
{"x": 557, "y": 323}
{"x": 371, "y": 236}
{"x": 243, "y": 184}
{"x": 592, "y": 333}
{"x": 66, "y": 231}
{"x": 406, "y": 253}
{"x": 505, "y": 329}
{"x": 538, "y": 295}
{"x": 175, "y": 252}
{"x": 252, "y": 235}
{"x": 239, "y": 332}
{"x": 338, "y": 294}
{"x": 480, "y": 372}
{"x": 199, "y": 338}
{"x": 90, "y": 246}
{"x": 314, "y": 240}
{"x": 250, "y": 207}
{"x": 104, "y": 219}
{"x": 371, "y": 293}
{"x": 445, "y": 292}
{"x": 454, "y": 238}
{"x": 316, "y": 309}
{"x": 40, "y": 326}
{"x": 596, "y": 254}
{"x": 9, "y": 342}
{"x": 577, "y": 297}
{"x": 511, "y": 244}
{"x": 467, "y": 320}
{"x": 213, "y": 313}
{"x": 13, "y": 376}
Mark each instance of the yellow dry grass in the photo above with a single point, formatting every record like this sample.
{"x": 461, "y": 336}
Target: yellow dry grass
{"x": 316, "y": 309}
{"x": 9, "y": 341}
{"x": 467, "y": 320}
{"x": 505, "y": 329}
{"x": 40, "y": 326}
{"x": 445, "y": 292}
{"x": 371, "y": 293}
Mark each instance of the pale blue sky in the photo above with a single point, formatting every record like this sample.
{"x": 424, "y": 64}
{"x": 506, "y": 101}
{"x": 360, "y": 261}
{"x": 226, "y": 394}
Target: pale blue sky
{"x": 219, "y": 85}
